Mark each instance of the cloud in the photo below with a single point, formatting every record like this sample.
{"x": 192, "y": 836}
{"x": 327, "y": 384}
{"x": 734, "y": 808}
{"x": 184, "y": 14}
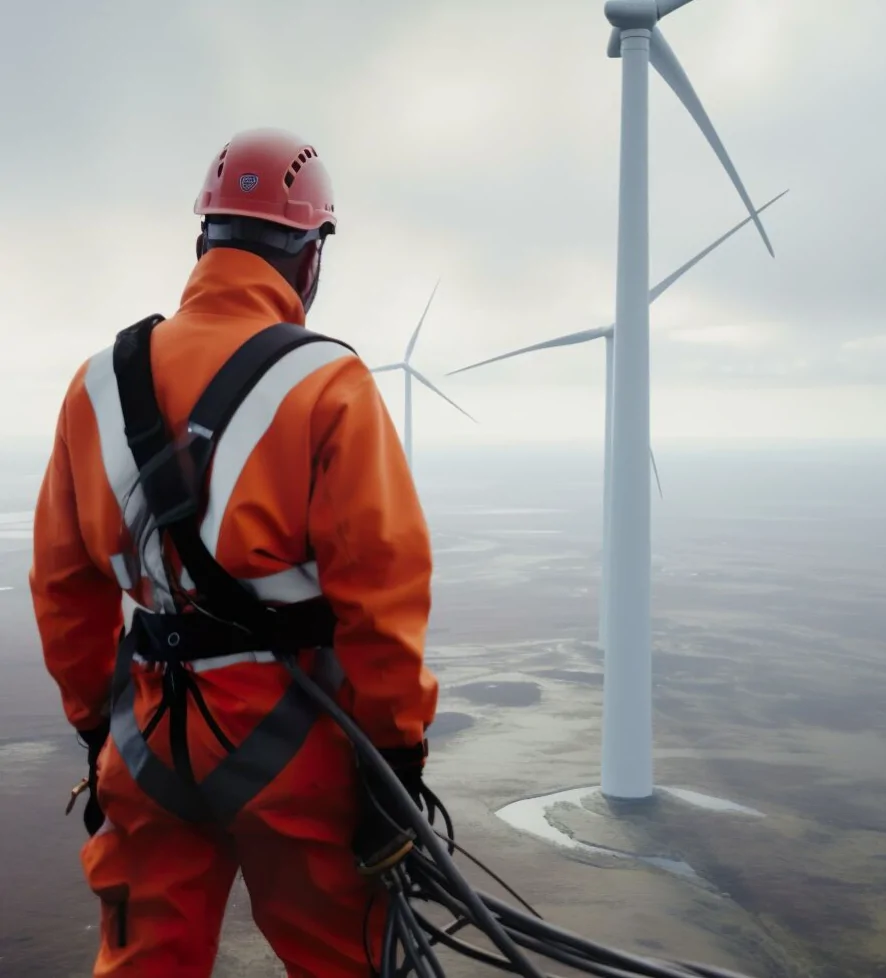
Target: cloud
{"x": 867, "y": 344}
{"x": 469, "y": 140}
{"x": 746, "y": 338}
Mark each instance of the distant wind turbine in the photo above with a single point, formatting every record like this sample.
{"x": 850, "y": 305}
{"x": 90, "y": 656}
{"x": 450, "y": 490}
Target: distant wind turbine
{"x": 607, "y": 333}
{"x": 409, "y": 373}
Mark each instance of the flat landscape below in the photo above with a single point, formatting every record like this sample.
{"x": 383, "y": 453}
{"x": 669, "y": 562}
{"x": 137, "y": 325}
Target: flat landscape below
{"x": 768, "y": 690}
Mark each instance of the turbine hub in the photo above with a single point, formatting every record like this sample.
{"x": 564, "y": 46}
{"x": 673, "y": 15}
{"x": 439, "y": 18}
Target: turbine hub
{"x": 627, "y": 15}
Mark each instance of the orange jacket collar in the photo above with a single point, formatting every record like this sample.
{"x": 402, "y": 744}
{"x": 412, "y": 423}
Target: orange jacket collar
{"x": 237, "y": 283}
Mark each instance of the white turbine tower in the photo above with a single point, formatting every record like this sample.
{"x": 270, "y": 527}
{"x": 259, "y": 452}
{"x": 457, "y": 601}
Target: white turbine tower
{"x": 607, "y": 333}
{"x": 627, "y": 697}
{"x": 626, "y": 610}
{"x": 409, "y": 373}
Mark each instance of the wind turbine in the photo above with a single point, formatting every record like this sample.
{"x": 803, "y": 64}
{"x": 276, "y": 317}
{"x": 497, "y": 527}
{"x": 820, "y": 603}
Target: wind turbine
{"x": 607, "y": 333}
{"x": 409, "y": 373}
{"x": 627, "y": 697}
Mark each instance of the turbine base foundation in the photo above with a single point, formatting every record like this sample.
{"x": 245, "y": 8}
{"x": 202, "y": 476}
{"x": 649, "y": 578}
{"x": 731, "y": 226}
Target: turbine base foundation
{"x": 595, "y": 828}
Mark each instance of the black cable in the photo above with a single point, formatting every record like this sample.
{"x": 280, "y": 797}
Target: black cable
{"x": 550, "y": 932}
{"x": 463, "y": 947}
{"x": 544, "y": 938}
{"x": 410, "y": 924}
{"x": 414, "y": 959}
{"x": 428, "y": 873}
{"x": 426, "y": 834}
{"x": 388, "y": 963}
{"x": 425, "y": 873}
{"x": 539, "y": 945}
{"x": 434, "y": 806}
{"x": 571, "y": 959}
{"x": 541, "y": 934}
{"x": 706, "y": 971}
{"x": 481, "y": 865}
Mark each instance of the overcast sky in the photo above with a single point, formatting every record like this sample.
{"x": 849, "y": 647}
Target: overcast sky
{"x": 475, "y": 141}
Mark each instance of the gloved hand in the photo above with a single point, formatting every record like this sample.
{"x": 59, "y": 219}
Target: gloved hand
{"x": 377, "y": 844}
{"x": 93, "y": 816}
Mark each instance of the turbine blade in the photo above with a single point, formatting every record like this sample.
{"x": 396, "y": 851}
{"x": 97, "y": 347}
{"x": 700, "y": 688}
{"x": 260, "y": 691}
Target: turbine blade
{"x": 386, "y": 367}
{"x": 585, "y": 336}
{"x": 666, "y": 7}
{"x": 414, "y": 337}
{"x": 614, "y": 48}
{"x": 668, "y": 66}
{"x": 424, "y": 380}
{"x": 665, "y": 284}
{"x": 655, "y": 470}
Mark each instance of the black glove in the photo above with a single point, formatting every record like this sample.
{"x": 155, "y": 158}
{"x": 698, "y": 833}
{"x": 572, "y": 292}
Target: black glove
{"x": 379, "y": 845}
{"x": 93, "y": 816}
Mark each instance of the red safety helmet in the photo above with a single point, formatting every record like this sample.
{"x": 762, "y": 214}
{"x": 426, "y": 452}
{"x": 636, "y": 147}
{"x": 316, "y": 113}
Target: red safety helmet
{"x": 272, "y": 175}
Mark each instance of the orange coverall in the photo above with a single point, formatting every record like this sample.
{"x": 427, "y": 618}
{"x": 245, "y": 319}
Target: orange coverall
{"x": 311, "y": 459}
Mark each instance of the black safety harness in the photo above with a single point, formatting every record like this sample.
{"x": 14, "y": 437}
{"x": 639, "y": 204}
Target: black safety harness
{"x": 225, "y": 618}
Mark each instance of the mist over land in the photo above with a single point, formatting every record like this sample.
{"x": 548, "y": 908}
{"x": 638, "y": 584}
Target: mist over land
{"x": 768, "y": 582}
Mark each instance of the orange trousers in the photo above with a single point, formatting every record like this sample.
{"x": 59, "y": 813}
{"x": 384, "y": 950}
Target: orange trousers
{"x": 292, "y": 843}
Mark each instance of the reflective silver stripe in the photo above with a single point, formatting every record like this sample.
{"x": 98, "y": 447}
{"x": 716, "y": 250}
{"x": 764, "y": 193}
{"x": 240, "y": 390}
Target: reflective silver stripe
{"x": 289, "y": 586}
{"x": 121, "y": 571}
{"x": 222, "y": 661}
{"x": 101, "y": 386}
{"x": 327, "y": 669}
{"x": 120, "y": 468}
{"x": 299, "y": 583}
{"x": 250, "y": 422}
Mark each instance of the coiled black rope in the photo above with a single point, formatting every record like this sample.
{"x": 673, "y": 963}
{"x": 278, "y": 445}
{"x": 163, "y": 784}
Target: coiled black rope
{"x": 429, "y": 875}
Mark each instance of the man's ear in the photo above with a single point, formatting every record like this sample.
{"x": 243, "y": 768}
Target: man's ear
{"x": 199, "y": 246}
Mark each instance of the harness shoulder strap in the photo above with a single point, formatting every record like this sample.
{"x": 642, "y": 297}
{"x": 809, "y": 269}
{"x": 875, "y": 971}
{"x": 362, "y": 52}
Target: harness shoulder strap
{"x": 142, "y": 421}
{"x": 238, "y": 376}
{"x": 173, "y": 497}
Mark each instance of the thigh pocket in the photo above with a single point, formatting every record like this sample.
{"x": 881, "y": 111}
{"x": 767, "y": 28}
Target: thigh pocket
{"x": 106, "y": 870}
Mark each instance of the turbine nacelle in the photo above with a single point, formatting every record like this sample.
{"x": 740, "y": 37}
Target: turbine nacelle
{"x": 639, "y": 15}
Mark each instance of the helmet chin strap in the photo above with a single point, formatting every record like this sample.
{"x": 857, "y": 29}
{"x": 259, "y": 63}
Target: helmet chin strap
{"x": 307, "y": 300}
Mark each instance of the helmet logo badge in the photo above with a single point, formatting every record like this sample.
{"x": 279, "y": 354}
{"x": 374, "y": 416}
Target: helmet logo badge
{"x": 248, "y": 182}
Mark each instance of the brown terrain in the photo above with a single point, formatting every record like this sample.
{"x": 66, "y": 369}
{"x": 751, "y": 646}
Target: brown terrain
{"x": 769, "y": 691}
